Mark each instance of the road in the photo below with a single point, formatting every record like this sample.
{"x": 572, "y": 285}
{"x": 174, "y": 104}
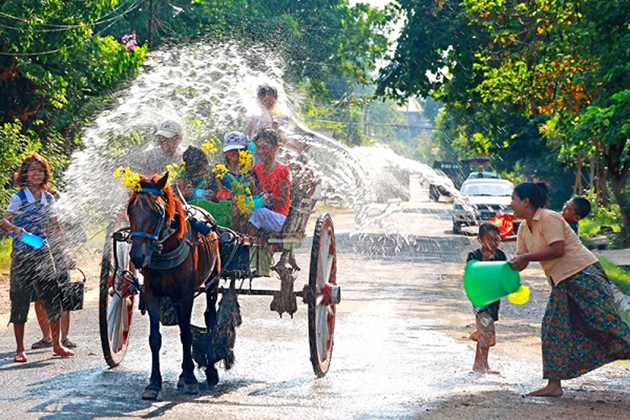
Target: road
{"x": 401, "y": 348}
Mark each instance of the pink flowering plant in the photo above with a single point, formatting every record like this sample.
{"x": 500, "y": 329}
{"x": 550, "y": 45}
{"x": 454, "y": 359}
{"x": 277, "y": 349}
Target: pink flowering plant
{"x": 130, "y": 41}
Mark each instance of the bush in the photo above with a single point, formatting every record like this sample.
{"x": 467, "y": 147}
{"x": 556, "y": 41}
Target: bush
{"x": 5, "y": 253}
{"x": 600, "y": 216}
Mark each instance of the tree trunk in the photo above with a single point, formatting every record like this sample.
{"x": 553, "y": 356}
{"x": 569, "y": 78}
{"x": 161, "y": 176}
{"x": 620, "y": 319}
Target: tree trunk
{"x": 600, "y": 176}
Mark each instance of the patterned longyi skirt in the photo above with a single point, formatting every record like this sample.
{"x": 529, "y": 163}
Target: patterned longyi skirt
{"x": 582, "y": 329}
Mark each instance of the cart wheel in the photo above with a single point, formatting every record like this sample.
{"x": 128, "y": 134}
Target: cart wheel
{"x": 116, "y": 297}
{"x": 323, "y": 295}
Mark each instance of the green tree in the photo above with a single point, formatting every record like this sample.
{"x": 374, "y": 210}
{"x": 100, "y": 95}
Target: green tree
{"x": 563, "y": 62}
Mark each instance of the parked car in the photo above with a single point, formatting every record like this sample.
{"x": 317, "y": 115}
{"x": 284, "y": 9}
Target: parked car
{"x": 476, "y": 175}
{"x": 484, "y": 199}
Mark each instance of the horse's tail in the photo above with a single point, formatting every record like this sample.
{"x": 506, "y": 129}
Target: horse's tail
{"x": 228, "y": 318}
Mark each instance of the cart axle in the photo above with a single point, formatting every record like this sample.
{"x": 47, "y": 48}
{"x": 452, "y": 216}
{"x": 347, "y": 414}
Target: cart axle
{"x": 258, "y": 292}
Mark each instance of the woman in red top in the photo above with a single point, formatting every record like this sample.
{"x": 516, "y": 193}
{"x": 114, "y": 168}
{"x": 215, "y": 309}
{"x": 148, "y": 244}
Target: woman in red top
{"x": 274, "y": 179}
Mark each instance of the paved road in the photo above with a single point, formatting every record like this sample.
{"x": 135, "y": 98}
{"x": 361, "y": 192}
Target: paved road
{"x": 400, "y": 348}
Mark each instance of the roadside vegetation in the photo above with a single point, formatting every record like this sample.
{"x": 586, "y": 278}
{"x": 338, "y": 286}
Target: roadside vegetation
{"x": 539, "y": 87}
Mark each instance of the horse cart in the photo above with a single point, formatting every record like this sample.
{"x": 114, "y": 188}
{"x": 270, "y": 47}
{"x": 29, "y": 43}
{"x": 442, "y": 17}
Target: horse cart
{"x": 243, "y": 260}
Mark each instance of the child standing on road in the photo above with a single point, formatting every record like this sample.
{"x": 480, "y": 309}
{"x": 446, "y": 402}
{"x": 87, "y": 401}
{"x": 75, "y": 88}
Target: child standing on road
{"x": 484, "y": 335}
{"x": 31, "y": 210}
{"x": 575, "y": 210}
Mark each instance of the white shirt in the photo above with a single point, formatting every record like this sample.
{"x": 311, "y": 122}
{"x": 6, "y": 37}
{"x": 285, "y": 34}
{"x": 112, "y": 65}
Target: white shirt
{"x": 16, "y": 202}
{"x": 155, "y": 160}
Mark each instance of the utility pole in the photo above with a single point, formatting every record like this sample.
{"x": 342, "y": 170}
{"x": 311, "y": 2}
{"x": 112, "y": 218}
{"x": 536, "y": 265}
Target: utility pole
{"x": 150, "y": 25}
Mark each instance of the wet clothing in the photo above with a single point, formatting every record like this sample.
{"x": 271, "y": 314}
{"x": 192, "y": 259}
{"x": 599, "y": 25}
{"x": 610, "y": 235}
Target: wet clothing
{"x": 155, "y": 160}
{"x": 32, "y": 215}
{"x": 266, "y": 219}
{"x": 229, "y": 179}
{"x": 200, "y": 182}
{"x": 269, "y": 183}
{"x": 32, "y": 269}
{"x": 582, "y": 329}
{"x": 493, "y": 308}
{"x": 549, "y": 227}
{"x": 486, "y": 334}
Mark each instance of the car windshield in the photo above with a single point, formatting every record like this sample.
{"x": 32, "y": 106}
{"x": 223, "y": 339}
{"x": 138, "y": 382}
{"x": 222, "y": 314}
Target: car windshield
{"x": 489, "y": 188}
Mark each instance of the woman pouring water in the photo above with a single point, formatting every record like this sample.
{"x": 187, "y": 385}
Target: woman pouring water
{"x": 581, "y": 329}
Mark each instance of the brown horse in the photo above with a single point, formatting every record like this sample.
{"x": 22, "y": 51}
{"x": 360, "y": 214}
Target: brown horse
{"x": 175, "y": 261}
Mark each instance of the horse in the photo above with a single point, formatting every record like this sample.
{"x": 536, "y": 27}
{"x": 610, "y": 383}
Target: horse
{"x": 175, "y": 261}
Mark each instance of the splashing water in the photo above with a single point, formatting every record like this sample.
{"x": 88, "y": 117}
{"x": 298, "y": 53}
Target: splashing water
{"x": 210, "y": 89}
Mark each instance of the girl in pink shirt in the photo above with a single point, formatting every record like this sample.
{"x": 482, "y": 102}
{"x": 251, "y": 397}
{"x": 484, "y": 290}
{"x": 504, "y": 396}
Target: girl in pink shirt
{"x": 582, "y": 329}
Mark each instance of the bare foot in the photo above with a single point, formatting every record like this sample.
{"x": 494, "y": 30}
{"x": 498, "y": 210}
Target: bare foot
{"x": 63, "y": 352}
{"x": 485, "y": 369}
{"x": 551, "y": 390}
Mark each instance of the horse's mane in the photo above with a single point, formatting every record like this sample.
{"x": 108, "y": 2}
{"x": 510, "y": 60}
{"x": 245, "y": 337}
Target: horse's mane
{"x": 172, "y": 205}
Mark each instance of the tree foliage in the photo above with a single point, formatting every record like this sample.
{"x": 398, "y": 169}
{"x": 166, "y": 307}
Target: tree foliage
{"x": 561, "y": 64}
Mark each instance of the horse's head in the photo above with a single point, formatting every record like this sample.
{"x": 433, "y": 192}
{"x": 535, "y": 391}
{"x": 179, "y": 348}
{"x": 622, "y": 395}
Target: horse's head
{"x": 150, "y": 211}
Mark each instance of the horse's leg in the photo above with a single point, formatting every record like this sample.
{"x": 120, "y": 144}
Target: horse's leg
{"x": 155, "y": 342}
{"x": 212, "y": 376}
{"x": 184, "y": 313}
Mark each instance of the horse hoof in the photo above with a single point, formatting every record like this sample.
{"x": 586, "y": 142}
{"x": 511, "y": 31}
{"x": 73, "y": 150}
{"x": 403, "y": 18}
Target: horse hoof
{"x": 150, "y": 394}
{"x": 192, "y": 389}
{"x": 181, "y": 382}
{"x": 212, "y": 377}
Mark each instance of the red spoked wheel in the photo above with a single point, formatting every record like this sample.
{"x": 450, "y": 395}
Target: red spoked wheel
{"x": 323, "y": 295}
{"x": 116, "y": 296}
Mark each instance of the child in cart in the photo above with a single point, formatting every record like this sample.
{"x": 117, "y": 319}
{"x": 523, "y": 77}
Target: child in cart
{"x": 275, "y": 182}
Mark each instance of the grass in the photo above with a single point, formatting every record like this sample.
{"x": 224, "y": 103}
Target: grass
{"x": 5, "y": 253}
{"x": 618, "y": 275}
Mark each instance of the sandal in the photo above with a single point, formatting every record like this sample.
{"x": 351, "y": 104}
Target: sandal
{"x": 69, "y": 344}
{"x": 41, "y": 344}
{"x": 20, "y": 358}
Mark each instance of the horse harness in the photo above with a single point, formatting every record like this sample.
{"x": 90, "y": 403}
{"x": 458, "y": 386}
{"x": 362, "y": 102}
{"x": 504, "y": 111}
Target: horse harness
{"x": 171, "y": 259}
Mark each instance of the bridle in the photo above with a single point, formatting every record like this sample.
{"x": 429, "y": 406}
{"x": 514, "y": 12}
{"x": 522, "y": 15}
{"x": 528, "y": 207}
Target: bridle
{"x": 154, "y": 236}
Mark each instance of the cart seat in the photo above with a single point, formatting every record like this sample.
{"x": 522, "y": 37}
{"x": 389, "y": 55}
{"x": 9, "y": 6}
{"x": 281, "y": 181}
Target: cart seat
{"x": 294, "y": 228}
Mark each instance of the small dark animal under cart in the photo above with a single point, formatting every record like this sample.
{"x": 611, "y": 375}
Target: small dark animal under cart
{"x": 121, "y": 284}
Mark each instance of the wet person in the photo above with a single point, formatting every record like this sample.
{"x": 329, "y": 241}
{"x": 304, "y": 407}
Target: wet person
{"x": 233, "y": 144}
{"x": 42, "y": 320}
{"x": 575, "y": 210}
{"x": 195, "y": 183}
{"x": 167, "y": 150}
{"x": 31, "y": 211}
{"x": 270, "y": 116}
{"x": 274, "y": 180}
{"x": 485, "y": 336}
{"x": 581, "y": 329}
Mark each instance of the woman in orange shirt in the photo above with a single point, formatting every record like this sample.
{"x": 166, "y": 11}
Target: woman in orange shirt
{"x": 582, "y": 329}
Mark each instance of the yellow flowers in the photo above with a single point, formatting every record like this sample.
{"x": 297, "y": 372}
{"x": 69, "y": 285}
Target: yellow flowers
{"x": 219, "y": 171}
{"x": 175, "y": 170}
{"x": 244, "y": 161}
{"x": 242, "y": 196}
{"x": 128, "y": 178}
{"x": 209, "y": 147}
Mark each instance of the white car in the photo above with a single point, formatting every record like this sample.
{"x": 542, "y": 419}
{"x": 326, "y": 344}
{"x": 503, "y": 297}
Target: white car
{"x": 484, "y": 198}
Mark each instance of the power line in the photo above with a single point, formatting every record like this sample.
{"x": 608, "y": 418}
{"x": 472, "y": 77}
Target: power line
{"x": 62, "y": 28}
{"x": 69, "y": 46}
